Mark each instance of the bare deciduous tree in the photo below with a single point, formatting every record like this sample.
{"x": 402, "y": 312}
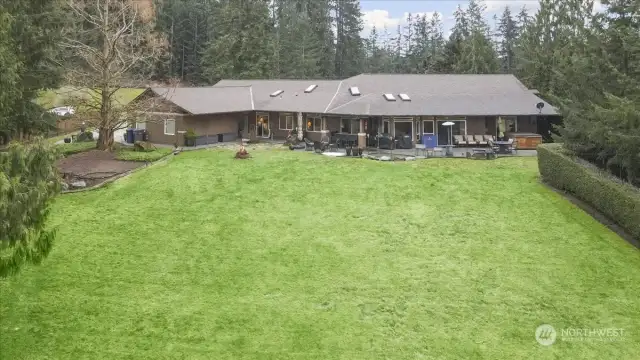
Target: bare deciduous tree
{"x": 109, "y": 47}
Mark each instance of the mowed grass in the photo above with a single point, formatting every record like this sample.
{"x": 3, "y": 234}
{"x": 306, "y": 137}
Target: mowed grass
{"x": 62, "y": 96}
{"x": 292, "y": 255}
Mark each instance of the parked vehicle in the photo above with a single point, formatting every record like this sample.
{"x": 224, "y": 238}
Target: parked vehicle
{"x": 63, "y": 111}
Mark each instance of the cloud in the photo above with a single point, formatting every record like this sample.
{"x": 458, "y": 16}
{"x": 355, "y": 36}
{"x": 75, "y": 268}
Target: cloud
{"x": 381, "y": 18}
{"x": 532, "y": 6}
{"x": 497, "y": 6}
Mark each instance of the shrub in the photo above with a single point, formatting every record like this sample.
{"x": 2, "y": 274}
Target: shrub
{"x": 76, "y": 147}
{"x": 85, "y": 136}
{"x": 143, "y": 146}
{"x": 609, "y": 195}
{"x": 190, "y": 138}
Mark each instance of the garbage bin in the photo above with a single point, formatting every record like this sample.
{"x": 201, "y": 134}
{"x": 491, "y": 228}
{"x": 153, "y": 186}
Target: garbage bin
{"x": 130, "y": 136}
{"x": 138, "y": 135}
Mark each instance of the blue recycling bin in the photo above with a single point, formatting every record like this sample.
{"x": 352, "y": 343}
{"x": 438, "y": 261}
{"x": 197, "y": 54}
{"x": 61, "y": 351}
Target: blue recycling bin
{"x": 429, "y": 141}
{"x": 130, "y": 136}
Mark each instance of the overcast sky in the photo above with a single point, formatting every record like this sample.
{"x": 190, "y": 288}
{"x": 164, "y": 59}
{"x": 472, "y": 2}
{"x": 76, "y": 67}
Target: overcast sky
{"x": 394, "y": 12}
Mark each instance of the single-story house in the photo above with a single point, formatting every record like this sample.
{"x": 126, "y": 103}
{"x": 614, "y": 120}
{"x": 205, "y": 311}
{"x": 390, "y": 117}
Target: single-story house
{"x": 366, "y": 104}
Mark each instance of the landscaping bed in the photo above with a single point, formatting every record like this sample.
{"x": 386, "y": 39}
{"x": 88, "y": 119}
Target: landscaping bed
{"x": 93, "y": 167}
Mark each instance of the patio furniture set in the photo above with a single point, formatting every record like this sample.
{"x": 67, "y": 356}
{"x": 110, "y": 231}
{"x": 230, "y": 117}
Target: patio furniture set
{"x": 348, "y": 142}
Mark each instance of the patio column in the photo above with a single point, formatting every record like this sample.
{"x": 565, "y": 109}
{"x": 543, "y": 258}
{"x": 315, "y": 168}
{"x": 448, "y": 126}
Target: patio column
{"x": 300, "y": 126}
{"x": 362, "y": 137}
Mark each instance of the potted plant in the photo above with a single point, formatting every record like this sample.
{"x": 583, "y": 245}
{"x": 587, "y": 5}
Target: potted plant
{"x": 190, "y": 138}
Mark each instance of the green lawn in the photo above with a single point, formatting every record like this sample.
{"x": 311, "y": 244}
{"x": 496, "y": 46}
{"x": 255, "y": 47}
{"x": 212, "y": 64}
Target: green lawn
{"x": 60, "y": 97}
{"x": 128, "y": 154}
{"x": 76, "y": 147}
{"x": 292, "y": 255}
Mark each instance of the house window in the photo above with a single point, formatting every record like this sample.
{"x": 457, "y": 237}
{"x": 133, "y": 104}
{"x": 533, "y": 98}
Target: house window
{"x": 385, "y": 127}
{"x": 511, "y": 123}
{"x": 314, "y": 123}
{"x": 286, "y": 122}
{"x": 427, "y": 127}
{"x": 349, "y": 126}
{"x": 169, "y": 127}
{"x": 141, "y": 125}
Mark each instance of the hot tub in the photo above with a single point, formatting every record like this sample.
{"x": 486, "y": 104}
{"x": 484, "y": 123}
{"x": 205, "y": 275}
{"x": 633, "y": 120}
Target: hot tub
{"x": 526, "y": 141}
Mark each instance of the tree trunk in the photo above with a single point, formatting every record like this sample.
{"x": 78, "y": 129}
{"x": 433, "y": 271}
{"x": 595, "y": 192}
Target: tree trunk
{"x": 105, "y": 139}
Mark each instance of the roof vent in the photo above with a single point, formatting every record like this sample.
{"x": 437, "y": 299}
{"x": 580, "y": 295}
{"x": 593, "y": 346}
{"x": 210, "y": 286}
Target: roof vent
{"x": 405, "y": 97}
{"x": 389, "y": 97}
{"x": 354, "y": 91}
{"x": 310, "y": 88}
{"x": 277, "y": 93}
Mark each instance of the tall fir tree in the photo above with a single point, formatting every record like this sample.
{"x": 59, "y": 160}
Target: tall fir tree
{"x": 508, "y": 34}
{"x": 477, "y": 53}
{"x": 243, "y": 44}
{"x": 349, "y": 44}
{"x": 31, "y": 61}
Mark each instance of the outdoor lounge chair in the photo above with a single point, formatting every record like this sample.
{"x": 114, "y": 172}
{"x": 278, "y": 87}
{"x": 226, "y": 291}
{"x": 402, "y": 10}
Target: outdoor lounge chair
{"x": 319, "y": 146}
{"x": 309, "y": 144}
{"x": 493, "y": 146}
{"x": 488, "y": 138}
{"x": 480, "y": 139}
{"x": 514, "y": 146}
{"x": 458, "y": 140}
{"x": 471, "y": 140}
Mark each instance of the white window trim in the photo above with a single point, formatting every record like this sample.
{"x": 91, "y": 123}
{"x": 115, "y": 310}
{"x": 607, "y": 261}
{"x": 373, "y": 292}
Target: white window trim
{"x": 388, "y": 121}
{"x": 313, "y": 119}
{"x": 514, "y": 118}
{"x": 404, "y": 120}
{"x": 141, "y": 125}
{"x": 285, "y": 116}
{"x": 266, "y": 116}
{"x": 454, "y": 120}
{"x": 351, "y": 121}
{"x": 165, "y": 127}
{"x": 433, "y": 126}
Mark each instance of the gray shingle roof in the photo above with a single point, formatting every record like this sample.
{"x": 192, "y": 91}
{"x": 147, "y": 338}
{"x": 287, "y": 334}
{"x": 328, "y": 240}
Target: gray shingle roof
{"x": 437, "y": 95}
{"x": 208, "y": 100}
{"x": 293, "y": 98}
{"x": 441, "y": 95}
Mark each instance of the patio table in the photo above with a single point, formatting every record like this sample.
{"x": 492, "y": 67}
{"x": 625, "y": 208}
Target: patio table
{"x": 504, "y": 147}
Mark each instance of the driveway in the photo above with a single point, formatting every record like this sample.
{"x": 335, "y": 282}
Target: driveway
{"x": 118, "y": 136}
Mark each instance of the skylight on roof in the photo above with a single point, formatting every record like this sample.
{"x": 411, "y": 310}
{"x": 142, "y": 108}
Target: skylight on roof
{"x": 354, "y": 91}
{"x": 277, "y": 93}
{"x": 310, "y": 88}
{"x": 389, "y": 97}
{"x": 405, "y": 97}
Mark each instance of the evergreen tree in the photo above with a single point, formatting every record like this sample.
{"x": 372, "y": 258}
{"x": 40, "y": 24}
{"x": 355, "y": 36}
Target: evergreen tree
{"x": 303, "y": 39}
{"x": 436, "y": 45}
{"x": 476, "y": 52}
{"x": 187, "y": 25}
{"x": 508, "y": 33}
{"x": 349, "y": 44}
{"x": 453, "y": 48}
{"x": 243, "y": 44}
{"x": 28, "y": 183}
{"x": 29, "y": 49}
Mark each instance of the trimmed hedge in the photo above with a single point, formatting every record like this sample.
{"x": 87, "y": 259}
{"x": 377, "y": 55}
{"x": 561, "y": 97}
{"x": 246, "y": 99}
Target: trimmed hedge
{"x": 609, "y": 195}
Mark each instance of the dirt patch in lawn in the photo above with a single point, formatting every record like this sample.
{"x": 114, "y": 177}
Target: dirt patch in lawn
{"x": 93, "y": 167}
